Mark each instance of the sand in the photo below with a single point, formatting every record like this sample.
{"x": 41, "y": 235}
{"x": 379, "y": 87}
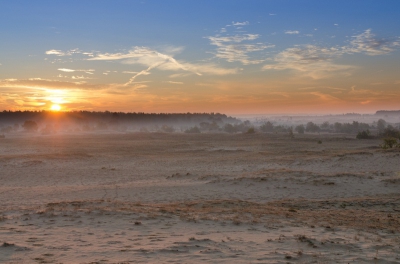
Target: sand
{"x": 198, "y": 198}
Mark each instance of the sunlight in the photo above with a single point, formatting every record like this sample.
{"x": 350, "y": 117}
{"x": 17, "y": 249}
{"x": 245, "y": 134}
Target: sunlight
{"x": 55, "y": 107}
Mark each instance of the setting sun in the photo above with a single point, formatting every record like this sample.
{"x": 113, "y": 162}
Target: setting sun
{"x": 55, "y": 107}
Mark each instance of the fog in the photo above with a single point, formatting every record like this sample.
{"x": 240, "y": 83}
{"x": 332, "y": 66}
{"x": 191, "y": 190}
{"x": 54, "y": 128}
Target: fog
{"x": 47, "y": 122}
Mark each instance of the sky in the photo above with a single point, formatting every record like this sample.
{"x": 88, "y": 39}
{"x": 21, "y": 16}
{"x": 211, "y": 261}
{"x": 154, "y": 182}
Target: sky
{"x": 227, "y": 56}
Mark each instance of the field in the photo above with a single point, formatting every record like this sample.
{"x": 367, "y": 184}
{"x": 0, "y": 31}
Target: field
{"x": 198, "y": 198}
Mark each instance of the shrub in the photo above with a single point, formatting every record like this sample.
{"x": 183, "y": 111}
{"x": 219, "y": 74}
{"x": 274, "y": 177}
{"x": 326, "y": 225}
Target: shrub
{"x": 291, "y": 135}
{"x": 7, "y": 129}
{"x": 389, "y": 143}
{"x": 363, "y": 134}
{"x": 30, "y": 126}
{"x": 390, "y": 132}
{"x": 267, "y": 127}
{"x": 229, "y": 128}
{"x": 300, "y": 129}
{"x": 167, "y": 129}
{"x": 311, "y": 127}
{"x": 251, "y": 130}
{"x": 194, "y": 129}
{"x": 381, "y": 124}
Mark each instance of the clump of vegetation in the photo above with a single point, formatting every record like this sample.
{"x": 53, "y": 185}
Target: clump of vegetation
{"x": 311, "y": 127}
{"x": 366, "y": 134}
{"x": 390, "y": 143}
{"x": 30, "y": 126}
{"x": 300, "y": 129}
{"x": 291, "y": 135}
{"x": 251, "y": 130}
{"x": 319, "y": 142}
{"x": 193, "y": 130}
{"x": 267, "y": 127}
{"x": 390, "y": 132}
{"x": 167, "y": 129}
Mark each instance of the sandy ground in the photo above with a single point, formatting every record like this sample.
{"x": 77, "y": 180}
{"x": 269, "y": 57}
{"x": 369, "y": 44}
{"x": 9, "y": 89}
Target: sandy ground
{"x": 200, "y": 198}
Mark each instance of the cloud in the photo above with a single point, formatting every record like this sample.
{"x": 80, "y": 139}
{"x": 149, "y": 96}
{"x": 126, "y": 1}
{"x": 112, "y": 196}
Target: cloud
{"x": 55, "y": 52}
{"x": 292, "y": 32}
{"x": 246, "y": 23}
{"x": 367, "y": 43}
{"x": 310, "y": 60}
{"x": 153, "y": 59}
{"x": 37, "y": 83}
{"x": 318, "y": 62}
{"x": 325, "y": 97}
{"x": 67, "y": 53}
{"x": 172, "y": 82}
{"x": 231, "y": 48}
{"x": 89, "y": 71}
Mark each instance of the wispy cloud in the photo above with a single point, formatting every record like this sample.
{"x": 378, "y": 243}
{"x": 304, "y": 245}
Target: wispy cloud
{"x": 89, "y": 71}
{"x": 172, "y": 82}
{"x": 292, "y": 32}
{"x": 310, "y": 60}
{"x": 153, "y": 59}
{"x": 232, "y": 49}
{"x": 319, "y": 62}
{"x": 37, "y": 83}
{"x": 245, "y": 23}
{"x": 66, "y": 53}
{"x": 55, "y": 52}
{"x": 367, "y": 43}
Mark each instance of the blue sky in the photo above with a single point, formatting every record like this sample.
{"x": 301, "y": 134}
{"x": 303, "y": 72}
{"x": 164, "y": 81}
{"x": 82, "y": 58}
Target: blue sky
{"x": 236, "y": 57}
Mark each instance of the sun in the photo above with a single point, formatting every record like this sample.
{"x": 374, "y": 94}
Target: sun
{"x": 55, "y": 107}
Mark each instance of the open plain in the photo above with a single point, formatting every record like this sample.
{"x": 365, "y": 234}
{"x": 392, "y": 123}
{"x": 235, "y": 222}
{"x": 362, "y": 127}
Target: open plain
{"x": 198, "y": 198}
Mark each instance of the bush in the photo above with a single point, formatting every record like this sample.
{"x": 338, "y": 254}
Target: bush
{"x": 389, "y": 143}
{"x": 300, "y": 129}
{"x": 311, "y": 127}
{"x": 390, "y": 132}
{"x": 30, "y": 126}
{"x": 267, "y": 127}
{"x": 194, "y": 129}
{"x": 251, "y": 130}
{"x": 364, "y": 134}
{"x": 8, "y": 129}
{"x": 229, "y": 128}
{"x": 167, "y": 129}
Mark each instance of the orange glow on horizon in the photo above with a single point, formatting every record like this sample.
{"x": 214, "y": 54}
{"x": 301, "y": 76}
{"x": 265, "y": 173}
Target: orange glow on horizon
{"x": 55, "y": 107}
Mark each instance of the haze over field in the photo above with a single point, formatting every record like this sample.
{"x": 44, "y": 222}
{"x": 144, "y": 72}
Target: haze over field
{"x": 233, "y": 57}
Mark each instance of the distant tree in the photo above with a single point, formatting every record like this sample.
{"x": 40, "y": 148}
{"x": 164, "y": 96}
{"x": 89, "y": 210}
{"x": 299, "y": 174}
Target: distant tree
{"x": 267, "y": 127}
{"x": 380, "y": 125}
{"x": 311, "y": 127}
{"x": 193, "y": 130}
{"x": 338, "y": 127}
{"x": 325, "y": 125}
{"x": 300, "y": 129}
{"x": 251, "y": 130}
{"x": 167, "y": 129}
{"x": 290, "y": 130}
{"x": 6, "y": 129}
{"x": 30, "y": 126}
{"x": 363, "y": 134}
{"x": 229, "y": 128}
{"x": 390, "y": 132}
